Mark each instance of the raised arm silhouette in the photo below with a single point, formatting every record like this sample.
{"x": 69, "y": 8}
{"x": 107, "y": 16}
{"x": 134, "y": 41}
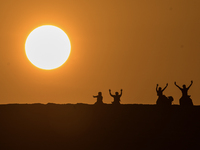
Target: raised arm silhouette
{"x": 99, "y": 99}
{"x": 185, "y": 100}
{"x": 116, "y": 97}
{"x": 162, "y": 99}
{"x": 160, "y": 90}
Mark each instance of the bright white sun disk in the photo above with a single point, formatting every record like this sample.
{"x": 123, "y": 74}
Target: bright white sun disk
{"x": 47, "y": 47}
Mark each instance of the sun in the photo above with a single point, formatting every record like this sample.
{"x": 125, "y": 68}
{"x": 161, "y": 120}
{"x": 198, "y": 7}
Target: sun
{"x": 47, "y": 47}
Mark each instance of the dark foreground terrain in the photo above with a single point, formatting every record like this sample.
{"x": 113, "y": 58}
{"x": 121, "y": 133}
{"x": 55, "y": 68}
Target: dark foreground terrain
{"x": 107, "y": 127}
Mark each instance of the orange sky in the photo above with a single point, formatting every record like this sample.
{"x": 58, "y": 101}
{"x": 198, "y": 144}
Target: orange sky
{"x": 128, "y": 44}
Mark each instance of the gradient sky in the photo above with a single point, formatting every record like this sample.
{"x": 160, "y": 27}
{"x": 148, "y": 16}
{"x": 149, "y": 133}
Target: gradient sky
{"x": 127, "y": 44}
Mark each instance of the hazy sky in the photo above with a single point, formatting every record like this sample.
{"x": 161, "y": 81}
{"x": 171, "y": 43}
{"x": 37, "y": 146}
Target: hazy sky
{"x": 126, "y": 44}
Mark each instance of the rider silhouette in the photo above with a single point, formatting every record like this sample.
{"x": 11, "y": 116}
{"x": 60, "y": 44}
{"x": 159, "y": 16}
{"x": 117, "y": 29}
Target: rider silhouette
{"x": 116, "y": 97}
{"x": 162, "y": 99}
{"x": 99, "y": 98}
{"x": 185, "y": 100}
{"x": 160, "y": 90}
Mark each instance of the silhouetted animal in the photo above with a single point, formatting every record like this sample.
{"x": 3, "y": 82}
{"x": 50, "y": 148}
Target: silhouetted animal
{"x": 162, "y": 99}
{"x": 116, "y": 97}
{"x": 170, "y": 100}
{"x": 185, "y": 100}
{"x": 99, "y": 98}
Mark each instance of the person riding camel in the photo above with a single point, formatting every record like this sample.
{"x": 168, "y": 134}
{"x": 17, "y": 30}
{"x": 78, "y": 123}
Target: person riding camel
{"x": 185, "y": 100}
{"x": 161, "y": 98}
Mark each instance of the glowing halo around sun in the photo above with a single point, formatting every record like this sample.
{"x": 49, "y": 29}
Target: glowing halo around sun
{"x": 47, "y": 47}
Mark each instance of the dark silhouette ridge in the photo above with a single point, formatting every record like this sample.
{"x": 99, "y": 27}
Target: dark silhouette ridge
{"x": 86, "y": 127}
{"x": 162, "y": 99}
{"x": 116, "y": 97}
{"x": 99, "y": 99}
{"x": 185, "y": 100}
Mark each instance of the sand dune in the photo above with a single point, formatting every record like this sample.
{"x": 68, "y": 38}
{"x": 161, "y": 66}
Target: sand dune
{"x": 83, "y": 126}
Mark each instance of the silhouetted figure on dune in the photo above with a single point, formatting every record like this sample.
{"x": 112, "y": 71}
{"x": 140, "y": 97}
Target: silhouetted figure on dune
{"x": 116, "y": 97}
{"x": 162, "y": 99}
{"x": 185, "y": 100}
{"x": 99, "y": 98}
